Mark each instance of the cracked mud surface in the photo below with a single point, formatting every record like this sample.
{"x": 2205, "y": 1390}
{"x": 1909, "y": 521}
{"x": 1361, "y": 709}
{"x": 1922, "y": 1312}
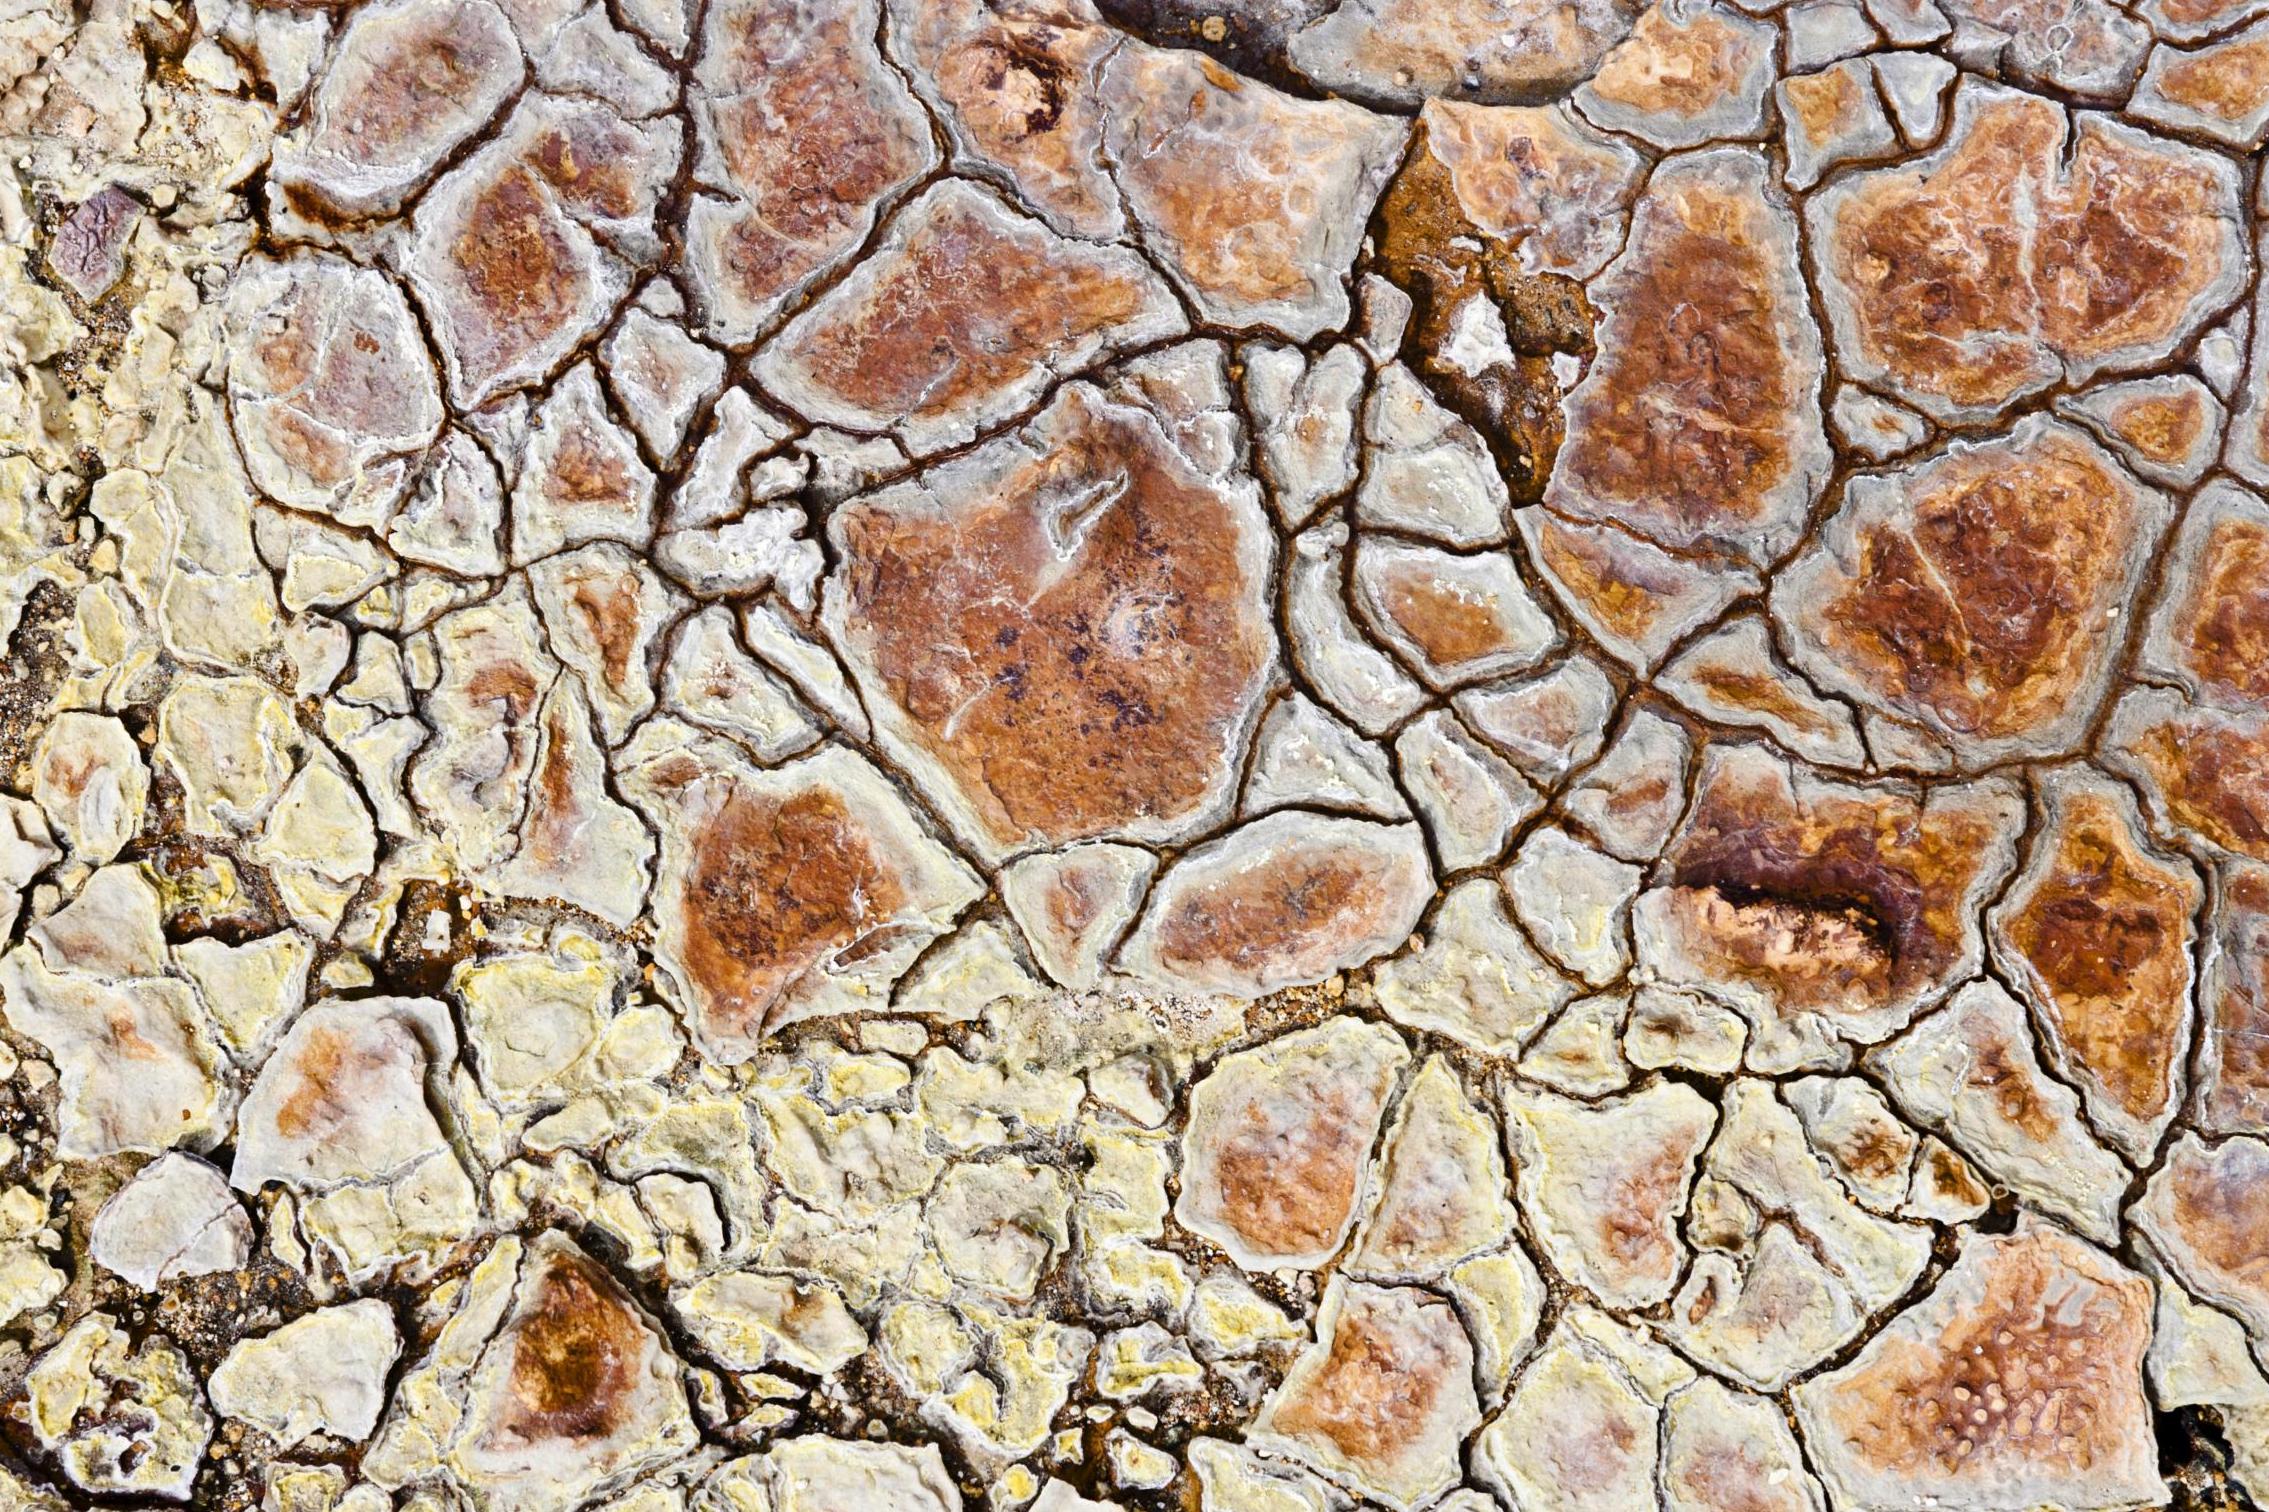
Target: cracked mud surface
{"x": 1158, "y": 755}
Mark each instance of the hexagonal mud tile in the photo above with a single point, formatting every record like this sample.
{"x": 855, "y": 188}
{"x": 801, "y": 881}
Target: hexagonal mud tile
{"x": 492, "y": 674}
{"x": 1429, "y": 473}
{"x": 1733, "y": 677}
{"x": 1254, "y": 200}
{"x": 966, "y": 314}
{"x": 2168, "y": 428}
{"x": 1806, "y": 1269}
{"x": 511, "y": 255}
{"x": 2018, "y": 1381}
{"x": 1475, "y": 977}
{"x": 2204, "y": 1210}
{"x": 1019, "y": 89}
{"x": 1582, "y": 1429}
{"x": 605, "y": 612}
{"x": 806, "y": 889}
{"x": 2204, "y": 771}
{"x": 1470, "y": 798}
{"x": 1304, "y": 757}
{"x": 1440, "y": 1190}
{"x": 1687, "y": 74}
{"x": 2147, "y": 251}
{"x": 575, "y": 842}
{"x": 1108, "y": 692}
{"x": 2221, "y": 90}
{"x": 1283, "y": 901}
{"x": 810, "y": 133}
{"x": 1977, "y": 593}
{"x": 1604, "y": 1186}
{"x": 2097, "y": 929}
{"x": 2210, "y": 631}
{"x": 1304, "y": 414}
{"x": 577, "y": 1392}
{"x": 1455, "y": 619}
{"x": 1637, "y": 600}
{"x": 1383, "y": 1399}
{"x": 1791, "y": 895}
{"x": 1279, "y": 1141}
{"x": 1704, "y": 315}
{"x": 1074, "y": 904}
{"x": 1728, "y": 1451}
{"x": 330, "y": 385}
{"x": 408, "y": 82}
{"x": 1831, "y": 117}
{"x": 1403, "y": 51}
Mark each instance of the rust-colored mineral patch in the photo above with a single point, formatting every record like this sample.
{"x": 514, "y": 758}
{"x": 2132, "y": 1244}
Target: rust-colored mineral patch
{"x": 2100, "y": 925}
{"x": 2205, "y": 770}
{"x": 1698, "y": 426}
{"x": 966, "y": 314}
{"x": 1846, "y": 900}
{"x": 2019, "y": 1379}
{"x": 1019, "y": 83}
{"x": 1279, "y": 1139}
{"x": 1977, "y": 593}
{"x": 576, "y": 1356}
{"x": 815, "y": 130}
{"x": 1067, "y": 635}
{"x": 1253, "y": 198}
{"x": 2081, "y": 246}
{"x": 1386, "y": 1398}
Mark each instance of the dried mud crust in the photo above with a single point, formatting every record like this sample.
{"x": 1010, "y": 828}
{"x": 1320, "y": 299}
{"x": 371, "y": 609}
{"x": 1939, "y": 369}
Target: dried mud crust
{"x": 1263, "y": 756}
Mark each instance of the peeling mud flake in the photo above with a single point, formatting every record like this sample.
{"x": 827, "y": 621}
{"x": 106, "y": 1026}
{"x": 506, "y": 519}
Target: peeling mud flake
{"x": 1605, "y": 1186}
{"x": 329, "y": 385}
{"x": 409, "y": 82}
